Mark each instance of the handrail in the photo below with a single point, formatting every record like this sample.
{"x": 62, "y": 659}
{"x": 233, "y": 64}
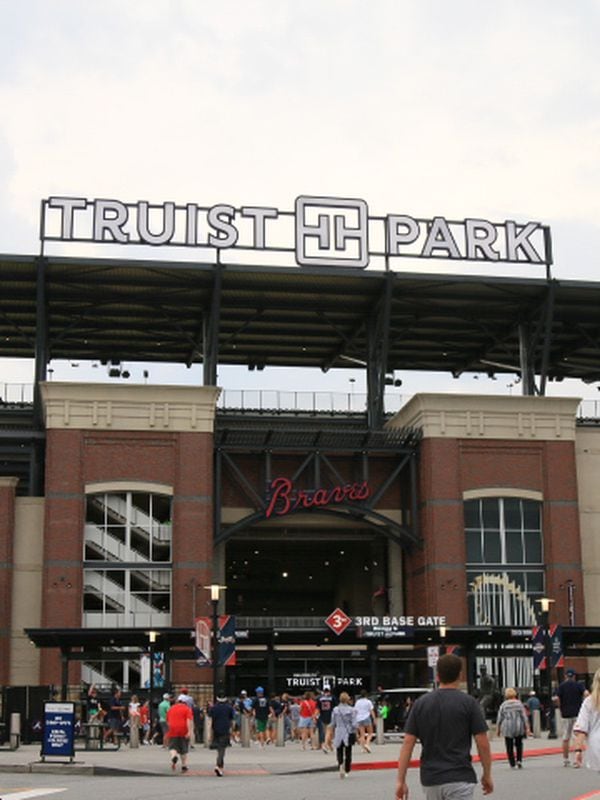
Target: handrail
{"x": 270, "y": 400}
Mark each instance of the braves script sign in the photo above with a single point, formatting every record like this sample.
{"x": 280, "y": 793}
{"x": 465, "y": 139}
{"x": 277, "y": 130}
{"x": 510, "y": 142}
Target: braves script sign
{"x": 321, "y": 231}
{"x": 283, "y": 497}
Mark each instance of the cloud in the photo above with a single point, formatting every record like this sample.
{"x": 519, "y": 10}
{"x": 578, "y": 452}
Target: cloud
{"x": 419, "y": 107}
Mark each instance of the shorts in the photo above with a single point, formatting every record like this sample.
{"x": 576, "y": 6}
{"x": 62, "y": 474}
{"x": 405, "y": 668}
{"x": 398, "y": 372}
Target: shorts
{"x": 567, "y": 731}
{"x": 261, "y": 725}
{"x": 450, "y": 791}
{"x": 364, "y": 722}
{"x": 114, "y": 723}
{"x": 180, "y": 744}
{"x": 305, "y": 722}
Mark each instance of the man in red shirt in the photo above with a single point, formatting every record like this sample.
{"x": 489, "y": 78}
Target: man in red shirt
{"x": 180, "y": 720}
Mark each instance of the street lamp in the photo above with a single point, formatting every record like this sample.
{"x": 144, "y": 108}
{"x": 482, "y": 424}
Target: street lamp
{"x": 215, "y": 589}
{"x": 152, "y": 640}
{"x": 545, "y": 611}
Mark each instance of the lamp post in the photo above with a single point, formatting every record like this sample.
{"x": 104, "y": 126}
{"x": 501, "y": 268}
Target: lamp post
{"x": 152, "y": 640}
{"x": 215, "y": 590}
{"x": 545, "y": 611}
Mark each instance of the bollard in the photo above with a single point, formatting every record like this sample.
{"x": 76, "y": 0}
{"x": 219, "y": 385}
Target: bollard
{"x": 245, "y": 731}
{"x": 280, "y": 740}
{"x": 314, "y": 738}
{"x": 15, "y": 730}
{"x": 94, "y": 734}
{"x": 558, "y": 725}
{"x": 379, "y": 739}
{"x": 134, "y": 730}
{"x": 207, "y": 730}
{"x": 536, "y": 723}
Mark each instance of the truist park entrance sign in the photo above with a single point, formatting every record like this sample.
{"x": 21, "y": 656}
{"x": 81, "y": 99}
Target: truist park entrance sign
{"x": 320, "y": 231}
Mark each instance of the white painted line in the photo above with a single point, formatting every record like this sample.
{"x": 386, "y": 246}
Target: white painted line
{"x": 29, "y": 793}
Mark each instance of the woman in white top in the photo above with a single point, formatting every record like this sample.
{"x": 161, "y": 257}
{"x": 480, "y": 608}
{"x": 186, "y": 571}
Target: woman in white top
{"x": 365, "y": 716}
{"x": 587, "y": 728}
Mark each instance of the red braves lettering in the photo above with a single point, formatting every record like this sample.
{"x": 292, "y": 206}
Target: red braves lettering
{"x": 283, "y": 498}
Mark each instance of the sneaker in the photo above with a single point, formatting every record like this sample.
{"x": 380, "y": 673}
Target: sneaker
{"x": 342, "y": 772}
{"x": 218, "y": 772}
{"x": 174, "y": 763}
{"x": 566, "y": 763}
{"x": 519, "y": 765}
{"x": 184, "y": 769}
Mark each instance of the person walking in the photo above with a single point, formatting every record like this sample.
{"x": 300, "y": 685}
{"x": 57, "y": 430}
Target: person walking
{"x": 260, "y": 712}
{"x": 587, "y": 728}
{"x": 308, "y": 709}
{"x": 445, "y": 720}
{"x": 569, "y": 696}
{"x": 114, "y": 717}
{"x": 180, "y": 720}
{"x": 343, "y": 724}
{"x": 163, "y": 707}
{"x": 512, "y": 723}
{"x": 325, "y": 706}
{"x": 222, "y": 716}
{"x": 365, "y": 714}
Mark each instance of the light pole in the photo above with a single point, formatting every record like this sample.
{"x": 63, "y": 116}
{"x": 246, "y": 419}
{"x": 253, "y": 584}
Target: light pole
{"x": 215, "y": 589}
{"x": 152, "y": 641}
{"x": 544, "y": 615}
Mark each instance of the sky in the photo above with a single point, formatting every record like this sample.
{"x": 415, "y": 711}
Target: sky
{"x": 423, "y": 107}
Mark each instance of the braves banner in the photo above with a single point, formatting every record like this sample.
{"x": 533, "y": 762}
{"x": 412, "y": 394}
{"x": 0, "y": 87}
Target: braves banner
{"x": 225, "y": 640}
{"x": 556, "y": 647}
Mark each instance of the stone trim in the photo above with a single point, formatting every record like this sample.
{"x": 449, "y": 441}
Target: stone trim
{"x": 128, "y": 486}
{"x": 133, "y": 407}
{"x": 8, "y": 483}
{"x": 503, "y": 491}
{"x": 477, "y": 417}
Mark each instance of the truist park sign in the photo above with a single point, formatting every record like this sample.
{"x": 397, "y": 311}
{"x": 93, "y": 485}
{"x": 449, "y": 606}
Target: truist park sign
{"x": 320, "y": 231}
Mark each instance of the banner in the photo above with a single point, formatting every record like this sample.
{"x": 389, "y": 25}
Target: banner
{"x": 539, "y": 648}
{"x": 59, "y": 730}
{"x": 557, "y": 657}
{"x": 225, "y": 640}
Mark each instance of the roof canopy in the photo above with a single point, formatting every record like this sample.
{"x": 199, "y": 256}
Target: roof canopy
{"x": 160, "y": 311}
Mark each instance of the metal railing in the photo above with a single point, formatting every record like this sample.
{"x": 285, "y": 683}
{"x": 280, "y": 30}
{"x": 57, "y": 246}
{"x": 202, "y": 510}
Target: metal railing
{"x": 16, "y": 392}
{"x": 288, "y": 400}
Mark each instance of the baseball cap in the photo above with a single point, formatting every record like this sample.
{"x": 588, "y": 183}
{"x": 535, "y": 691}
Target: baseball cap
{"x": 183, "y": 698}
{"x": 327, "y": 688}
{"x": 166, "y": 696}
{"x": 259, "y": 690}
{"x": 571, "y": 672}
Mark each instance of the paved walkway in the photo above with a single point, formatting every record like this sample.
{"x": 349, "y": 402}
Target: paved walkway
{"x": 254, "y": 760}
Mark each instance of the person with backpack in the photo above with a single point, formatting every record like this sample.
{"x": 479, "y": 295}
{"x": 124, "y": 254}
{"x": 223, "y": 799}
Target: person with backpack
{"x": 512, "y": 723}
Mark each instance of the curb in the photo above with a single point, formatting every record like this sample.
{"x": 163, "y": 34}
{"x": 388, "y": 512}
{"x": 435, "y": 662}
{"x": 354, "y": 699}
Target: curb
{"x": 73, "y": 768}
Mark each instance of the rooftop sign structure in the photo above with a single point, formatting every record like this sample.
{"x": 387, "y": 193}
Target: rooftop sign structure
{"x": 321, "y": 231}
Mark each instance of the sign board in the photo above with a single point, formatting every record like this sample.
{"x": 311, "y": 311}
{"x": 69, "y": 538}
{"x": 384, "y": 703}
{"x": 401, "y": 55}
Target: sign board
{"x": 395, "y": 627}
{"x": 320, "y": 231}
{"x": 338, "y": 621}
{"x": 58, "y": 738}
{"x": 302, "y": 681}
{"x": 433, "y": 655}
{"x": 283, "y": 497}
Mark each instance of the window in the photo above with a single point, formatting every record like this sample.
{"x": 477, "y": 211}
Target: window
{"x": 127, "y": 560}
{"x": 504, "y": 536}
{"x": 505, "y": 573}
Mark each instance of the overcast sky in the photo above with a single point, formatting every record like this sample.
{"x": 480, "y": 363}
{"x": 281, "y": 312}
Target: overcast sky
{"x": 455, "y": 108}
